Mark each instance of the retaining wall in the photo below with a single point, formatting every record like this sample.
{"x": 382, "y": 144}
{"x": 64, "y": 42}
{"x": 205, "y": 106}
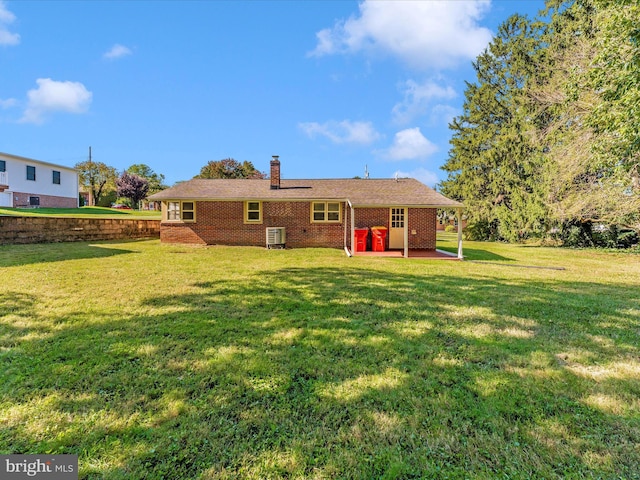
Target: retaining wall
{"x": 51, "y": 230}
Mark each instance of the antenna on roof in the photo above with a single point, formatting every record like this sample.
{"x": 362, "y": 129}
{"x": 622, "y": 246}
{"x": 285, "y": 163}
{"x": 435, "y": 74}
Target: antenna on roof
{"x": 366, "y": 171}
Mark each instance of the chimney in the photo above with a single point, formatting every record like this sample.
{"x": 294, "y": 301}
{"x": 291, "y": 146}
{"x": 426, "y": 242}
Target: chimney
{"x": 275, "y": 173}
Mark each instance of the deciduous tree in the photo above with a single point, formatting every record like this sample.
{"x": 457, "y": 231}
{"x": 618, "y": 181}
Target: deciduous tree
{"x": 155, "y": 180}
{"x": 97, "y": 177}
{"x": 133, "y": 187}
{"x": 229, "y": 168}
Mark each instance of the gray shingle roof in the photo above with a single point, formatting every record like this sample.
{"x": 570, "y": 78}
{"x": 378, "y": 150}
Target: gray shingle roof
{"x": 360, "y": 192}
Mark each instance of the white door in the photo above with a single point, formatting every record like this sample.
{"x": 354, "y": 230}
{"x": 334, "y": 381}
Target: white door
{"x": 396, "y": 230}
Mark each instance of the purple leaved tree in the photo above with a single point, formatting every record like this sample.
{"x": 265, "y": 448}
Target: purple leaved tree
{"x": 133, "y": 187}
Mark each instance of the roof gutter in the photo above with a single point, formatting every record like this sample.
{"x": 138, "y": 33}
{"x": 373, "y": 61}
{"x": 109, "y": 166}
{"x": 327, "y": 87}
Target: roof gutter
{"x": 420, "y": 205}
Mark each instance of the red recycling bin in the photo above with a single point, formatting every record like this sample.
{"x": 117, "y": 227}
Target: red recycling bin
{"x": 361, "y": 239}
{"x": 379, "y": 239}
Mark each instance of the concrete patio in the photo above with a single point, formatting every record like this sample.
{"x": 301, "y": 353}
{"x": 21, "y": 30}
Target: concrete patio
{"x": 413, "y": 253}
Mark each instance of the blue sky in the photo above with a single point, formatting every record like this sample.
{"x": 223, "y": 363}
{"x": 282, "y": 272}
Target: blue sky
{"x": 329, "y": 86}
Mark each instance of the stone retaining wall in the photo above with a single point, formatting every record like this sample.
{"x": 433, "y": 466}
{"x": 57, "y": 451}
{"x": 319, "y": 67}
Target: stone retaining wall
{"x": 51, "y": 230}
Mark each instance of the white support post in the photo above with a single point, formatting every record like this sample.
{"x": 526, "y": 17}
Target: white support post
{"x": 406, "y": 232}
{"x": 459, "y": 218}
{"x": 353, "y": 229}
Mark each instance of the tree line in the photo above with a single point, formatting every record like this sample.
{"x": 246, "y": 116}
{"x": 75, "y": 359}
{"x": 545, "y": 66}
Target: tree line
{"x": 548, "y": 144}
{"x": 106, "y": 186}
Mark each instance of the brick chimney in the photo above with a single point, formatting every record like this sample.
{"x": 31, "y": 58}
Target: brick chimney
{"x": 275, "y": 173}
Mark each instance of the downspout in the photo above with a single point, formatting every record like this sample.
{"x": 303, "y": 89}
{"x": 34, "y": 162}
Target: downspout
{"x": 459, "y": 218}
{"x": 346, "y": 249}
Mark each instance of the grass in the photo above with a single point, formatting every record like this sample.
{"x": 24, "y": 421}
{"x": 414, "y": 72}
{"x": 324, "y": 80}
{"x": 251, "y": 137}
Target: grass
{"x": 82, "y": 212}
{"x": 162, "y": 361}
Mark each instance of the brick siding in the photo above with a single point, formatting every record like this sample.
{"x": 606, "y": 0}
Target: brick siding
{"x": 423, "y": 221}
{"x": 222, "y": 223}
{"x": 21, "y": 199}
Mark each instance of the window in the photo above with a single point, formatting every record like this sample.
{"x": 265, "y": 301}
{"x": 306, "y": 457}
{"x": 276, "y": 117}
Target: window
{"x": 397, "y": 218}
{"x": 3, "y": 166}
{"x": 325, "y": 212}
{"x": 173, "y": 211}
{"x": 34, "y": 201}
{"x": 184, "y": 211}
{"x": 31, "y": 173}
{"x": 56, "y": 177}
{"x": 188, "y": 212}
{"x": 252, "y": 212}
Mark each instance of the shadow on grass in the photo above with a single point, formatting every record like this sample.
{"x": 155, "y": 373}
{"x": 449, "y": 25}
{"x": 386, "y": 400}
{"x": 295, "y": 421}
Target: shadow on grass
{"x": 478, "y": 254}
{"x": 323, "y": 372}
{"x": 17, "y": 255}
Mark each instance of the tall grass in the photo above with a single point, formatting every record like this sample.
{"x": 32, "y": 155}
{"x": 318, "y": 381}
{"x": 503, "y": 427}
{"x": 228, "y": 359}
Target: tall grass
{"x": 160, "y": 361}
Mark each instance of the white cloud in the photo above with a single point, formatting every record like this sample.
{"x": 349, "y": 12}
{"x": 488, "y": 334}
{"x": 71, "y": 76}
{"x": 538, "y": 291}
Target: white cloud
{"x": 345, "y": 131}
{"x": 8, "y": 103}
{"x": 443, "y": 114}
{"x": 409, "y": 144}
{"x": 52, "y": 96}
{"x": 427, "y": 177}
{"x": 6, "y": 18}
{"x": 117, "y": 51}
{"x": 424, "y": 34}
{"x": 417, "y": 98}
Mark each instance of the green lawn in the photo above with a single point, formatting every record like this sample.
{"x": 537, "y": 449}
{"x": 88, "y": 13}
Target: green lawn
{"x": 82, "y": 212}
{"x": 162, "y": 361}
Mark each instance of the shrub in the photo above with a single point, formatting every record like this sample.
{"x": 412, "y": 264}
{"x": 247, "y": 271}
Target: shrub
{"x": 480, "y": 230}
{"x": 576, "y": 236}
{"x": 627, "y": 239}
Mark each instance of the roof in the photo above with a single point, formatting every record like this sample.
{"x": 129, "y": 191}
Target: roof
{"x": 360, "y": 192}
{"x": 32, "y": 160}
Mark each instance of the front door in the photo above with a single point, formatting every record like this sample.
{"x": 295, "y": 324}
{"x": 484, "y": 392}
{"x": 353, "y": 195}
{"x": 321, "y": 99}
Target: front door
{"x": 396, "y": 232}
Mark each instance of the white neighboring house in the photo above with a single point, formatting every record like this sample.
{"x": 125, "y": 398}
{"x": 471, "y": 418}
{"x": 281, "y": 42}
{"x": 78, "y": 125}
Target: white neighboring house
{"x": 25, "y": 182}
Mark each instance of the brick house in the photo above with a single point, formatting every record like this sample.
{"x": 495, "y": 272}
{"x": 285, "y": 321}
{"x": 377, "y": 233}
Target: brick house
{"x": 311, "y": 213}
{"x": 25, "y": 182}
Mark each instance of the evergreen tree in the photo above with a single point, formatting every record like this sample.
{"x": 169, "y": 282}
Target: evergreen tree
{"x": 493, "y": 165}
{"x": 549, "y": 135}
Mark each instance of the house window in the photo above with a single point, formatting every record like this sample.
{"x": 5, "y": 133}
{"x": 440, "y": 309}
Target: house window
{"x": 31, "y": 173}
{"x": 56, "y": 177}
{"x": 184, "y": 211}
{"x": 173, "y": 211}
{"x": 397, "y": 218}
{"x": 188, "y": 212}
{"x": 253, "y": 212}
{"x": 3, "y": 166}
{"x": 34, "y": 201}
{"x": 325, "y": 212}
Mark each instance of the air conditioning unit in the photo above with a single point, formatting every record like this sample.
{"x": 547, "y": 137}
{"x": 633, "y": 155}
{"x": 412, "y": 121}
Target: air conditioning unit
{"x": 276, "y": 237}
